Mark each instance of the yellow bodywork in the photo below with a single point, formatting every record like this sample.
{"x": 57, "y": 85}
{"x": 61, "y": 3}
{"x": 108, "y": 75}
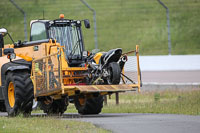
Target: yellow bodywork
{"x": 48, "y": 59}
{"x": 97, "y": 57}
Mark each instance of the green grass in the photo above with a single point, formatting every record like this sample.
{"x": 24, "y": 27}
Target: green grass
{"x": 169, "y": 102}
{"x": 45, "y": 125}
{"x": 119, "y": 23}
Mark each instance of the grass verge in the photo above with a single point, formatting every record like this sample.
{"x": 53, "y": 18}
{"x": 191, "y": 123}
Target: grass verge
{"x": 169, "y": 102}
{"x": 45, "y": 125}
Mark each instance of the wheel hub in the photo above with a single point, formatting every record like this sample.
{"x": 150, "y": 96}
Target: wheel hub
{"x": 11, "y": 94}
{"x": 82, "y": 101}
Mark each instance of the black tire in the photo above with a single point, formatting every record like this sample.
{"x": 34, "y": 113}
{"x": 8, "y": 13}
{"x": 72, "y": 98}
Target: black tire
{"x": 91, "y": 105}
{"x": 23, "y": 93}
{"x": 2, "y": 106}
{"x": 57, "y": 107}
{"x": 114, "y": 72}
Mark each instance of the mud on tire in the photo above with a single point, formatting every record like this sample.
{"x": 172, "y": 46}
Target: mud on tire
{"x": 22, "y": 99}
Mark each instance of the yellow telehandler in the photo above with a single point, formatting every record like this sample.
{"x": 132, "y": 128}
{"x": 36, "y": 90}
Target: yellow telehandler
{"x": 54, "y": 69}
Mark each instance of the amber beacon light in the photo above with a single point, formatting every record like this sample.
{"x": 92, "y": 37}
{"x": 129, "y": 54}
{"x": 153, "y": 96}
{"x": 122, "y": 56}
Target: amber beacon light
{"x": 62, "y": 16}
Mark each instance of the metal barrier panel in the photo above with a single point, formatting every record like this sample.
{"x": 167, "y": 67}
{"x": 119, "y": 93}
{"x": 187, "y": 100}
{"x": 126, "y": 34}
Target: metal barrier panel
{"x": 131, "y": 73}
{"x": 130, "y": 70}
{"x": 46, "y": 74}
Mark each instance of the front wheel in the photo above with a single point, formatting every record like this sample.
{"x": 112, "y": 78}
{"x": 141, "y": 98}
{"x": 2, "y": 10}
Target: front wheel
{"x": 18, "y": 93}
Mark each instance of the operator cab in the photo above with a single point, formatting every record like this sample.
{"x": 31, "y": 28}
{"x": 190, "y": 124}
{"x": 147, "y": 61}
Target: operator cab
{"x": 66, "y": 32}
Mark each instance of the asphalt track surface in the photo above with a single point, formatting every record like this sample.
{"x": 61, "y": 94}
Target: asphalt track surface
{"x": 137, "y": 123}
{"x": 146, "y": 123}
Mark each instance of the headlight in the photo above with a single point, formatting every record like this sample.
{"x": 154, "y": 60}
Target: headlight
{"x": 11, "y": 56}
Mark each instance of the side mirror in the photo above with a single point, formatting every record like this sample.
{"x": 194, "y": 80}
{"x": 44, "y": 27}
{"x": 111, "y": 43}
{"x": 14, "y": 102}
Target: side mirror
{"x": 3, "y": 31}
{"x": 87, "y": 23}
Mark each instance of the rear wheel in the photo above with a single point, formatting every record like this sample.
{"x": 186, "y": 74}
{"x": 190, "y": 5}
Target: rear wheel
{"x": 89, "y": 106}
{"x": 18, "y": 93}
{"x": 56, "y": 107}
{"x": 114, "y": 73}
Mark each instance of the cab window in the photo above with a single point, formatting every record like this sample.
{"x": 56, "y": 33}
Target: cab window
{"x": 38, "y": 31}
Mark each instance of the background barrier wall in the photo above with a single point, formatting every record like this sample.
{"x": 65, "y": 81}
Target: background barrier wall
{"x": 167, "y": 63}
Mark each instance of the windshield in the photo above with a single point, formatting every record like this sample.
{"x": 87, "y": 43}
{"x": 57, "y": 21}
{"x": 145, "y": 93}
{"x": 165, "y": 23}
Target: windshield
{"x": 68, "y": 36}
